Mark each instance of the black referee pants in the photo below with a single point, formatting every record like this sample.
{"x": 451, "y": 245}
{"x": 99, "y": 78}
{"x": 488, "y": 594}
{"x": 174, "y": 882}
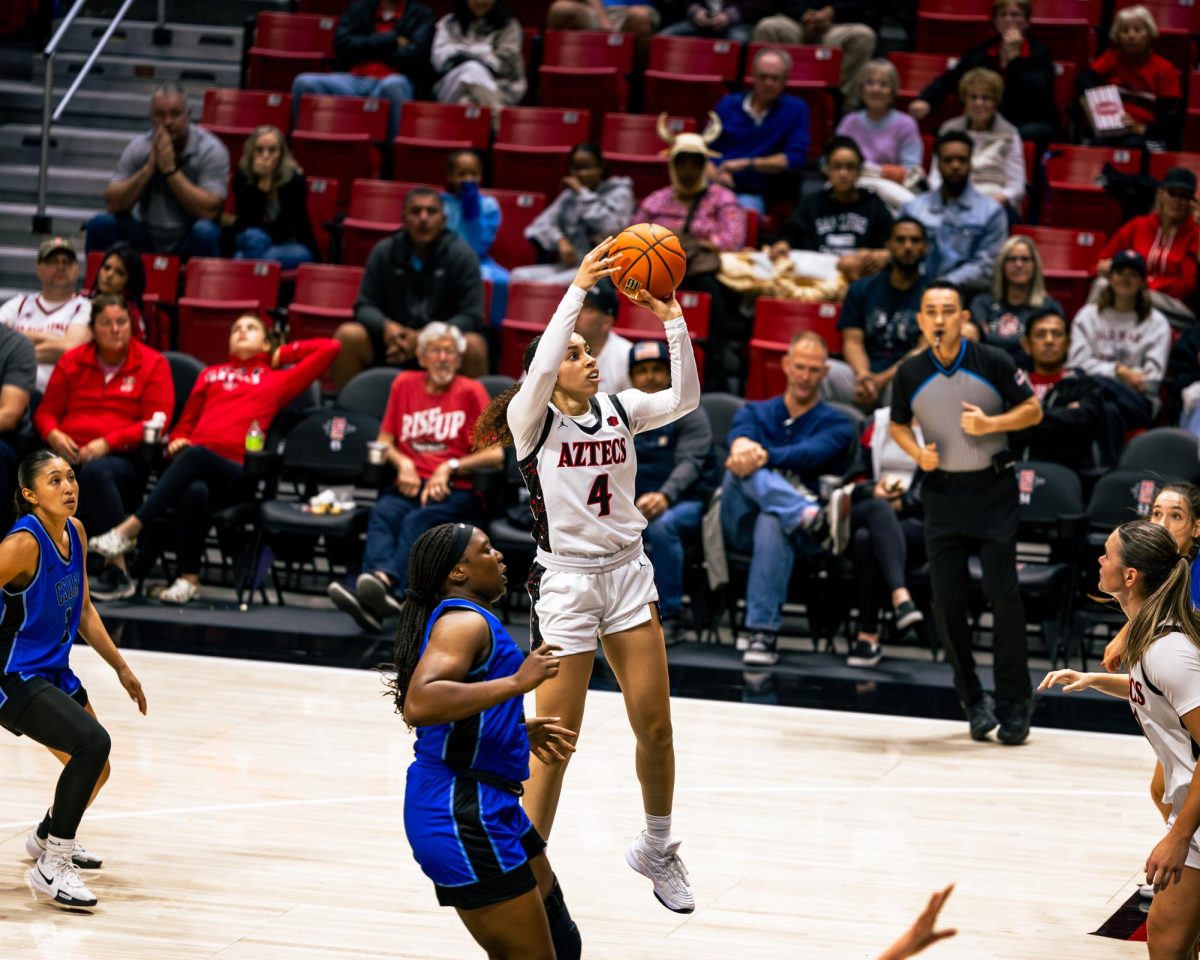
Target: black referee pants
{"x": 976, "y": 512}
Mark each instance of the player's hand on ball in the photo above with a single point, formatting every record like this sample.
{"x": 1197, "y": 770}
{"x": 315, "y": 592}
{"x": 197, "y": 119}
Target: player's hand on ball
{"x": 665, "y": 310}
{"x": 549, "y": 742}
{"x": 1072, "y": 681}
{"x": 539, "y": 666}
{"x": 596, "y": 265}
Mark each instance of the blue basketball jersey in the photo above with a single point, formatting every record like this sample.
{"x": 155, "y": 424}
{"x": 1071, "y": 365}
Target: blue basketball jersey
{"x": 493, "y": 741}
{"x": 39, "y": 624}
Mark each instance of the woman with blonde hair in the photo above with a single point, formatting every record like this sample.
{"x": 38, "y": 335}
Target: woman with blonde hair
{"x": 1018, "y": 291}
{"x": 270, "y": 199}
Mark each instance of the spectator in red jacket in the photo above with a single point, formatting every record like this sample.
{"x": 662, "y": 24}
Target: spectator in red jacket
{"x": 207, "y": 445}
{"x": 1169, "y": 240}
{"x": 91, "y": 415}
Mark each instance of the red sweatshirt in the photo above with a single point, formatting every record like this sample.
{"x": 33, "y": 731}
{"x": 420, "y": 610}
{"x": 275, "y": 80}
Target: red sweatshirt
{"x": 1141, "y": 82}
{"x": 1170, "y": 256}
{"x": 229, "y": 396}
{"x": 80, "y": 404}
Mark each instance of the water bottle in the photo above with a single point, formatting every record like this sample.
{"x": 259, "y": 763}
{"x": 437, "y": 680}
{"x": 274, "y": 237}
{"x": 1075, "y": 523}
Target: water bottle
{"x": 255, "y": 438}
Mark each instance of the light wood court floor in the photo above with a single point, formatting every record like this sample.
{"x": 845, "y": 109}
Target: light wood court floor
{"x": 256, "y": 814}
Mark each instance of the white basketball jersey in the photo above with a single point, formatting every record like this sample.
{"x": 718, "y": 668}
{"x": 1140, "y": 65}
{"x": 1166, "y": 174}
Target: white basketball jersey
{"x": 1164, "y": 686}
{"x": 581, "y": 477}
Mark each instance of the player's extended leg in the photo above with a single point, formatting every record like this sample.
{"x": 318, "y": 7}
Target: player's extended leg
{"x": 63, "y": 758}
{"x": 1174, "y": 923}
{"x": 515, "y": 929}
{"x": 565, "y": 935}
{"x": 562, "y": 696}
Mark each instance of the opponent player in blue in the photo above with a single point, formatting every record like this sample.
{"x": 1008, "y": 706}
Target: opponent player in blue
{"x": 45, "y": 606}
{"x": 460, "y": 680}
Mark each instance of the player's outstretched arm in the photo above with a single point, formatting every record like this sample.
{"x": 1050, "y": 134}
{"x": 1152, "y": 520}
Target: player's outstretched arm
{"x": 647, "y": 411}
{"x": 1072, "y": 681}
{"x": 922, "y": 933}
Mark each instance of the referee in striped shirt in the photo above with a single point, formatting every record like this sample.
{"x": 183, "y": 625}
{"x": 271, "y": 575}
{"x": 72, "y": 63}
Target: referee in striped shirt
{"x": 967, "y": 397}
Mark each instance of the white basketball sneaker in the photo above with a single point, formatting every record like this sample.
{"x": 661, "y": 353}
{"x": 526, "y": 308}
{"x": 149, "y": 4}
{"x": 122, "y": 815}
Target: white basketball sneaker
{"x": 35, "y": 846}
{"x": 58, "y": 878}
{"x": 665, "y": 870}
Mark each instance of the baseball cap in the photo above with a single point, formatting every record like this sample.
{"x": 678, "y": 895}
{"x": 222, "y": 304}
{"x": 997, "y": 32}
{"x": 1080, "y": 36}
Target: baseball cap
{"x": 1129, "y": 258}
{"x": 1179, "y": 178}
{"x": 55, "y": 245}
{"x": 645, "y": 350}
{"x": 603, "y": 296}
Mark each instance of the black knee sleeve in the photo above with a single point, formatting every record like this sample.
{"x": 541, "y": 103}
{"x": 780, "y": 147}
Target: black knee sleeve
{"x": 567, "y": 943}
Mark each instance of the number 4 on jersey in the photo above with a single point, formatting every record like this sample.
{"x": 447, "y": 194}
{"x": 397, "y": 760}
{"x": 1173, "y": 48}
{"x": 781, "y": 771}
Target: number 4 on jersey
{"x": 600, "y": 496}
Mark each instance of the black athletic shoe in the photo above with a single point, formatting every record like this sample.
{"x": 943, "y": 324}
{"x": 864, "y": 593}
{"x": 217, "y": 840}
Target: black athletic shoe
{"x": 864, "y": 654}
{"x": 761, "y": 651}
{"x": 347, "y": 602}
{"x": 113, "y": 583}
{"x": 908, "y": 616}
{"x": 982, "y": 716}
{"x": 1015, "y": 719}
{"x": 375, "y": 597}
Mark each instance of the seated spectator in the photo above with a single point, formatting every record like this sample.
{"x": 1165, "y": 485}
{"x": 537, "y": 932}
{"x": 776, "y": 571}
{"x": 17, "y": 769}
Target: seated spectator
{"x": 965, "y": 228}
{"x": 97, "y": 399}
{"x": 893, "y": 153}
{"x": 1076, "y": 422}
{"x": 56, "y": 319}
{"x": 676, "y": 475}
{"x": 887, "y": 537}
{"x": 477, "y": 56}
{"x": 419, "y": 274}
{"x": 123, "y": 274}
{"x": 427, "y": 428}
{"x": 270, "y": 199}
{"x": 879, "y": 315}
{"x": 777, "y": 450}
{"x": 732, "y": 20}
{"x": 998, "y": 157}
{"x": 207, "y": 446}
{"x": 1151, "y": 87}
{"x": 18, "y": 375}
{"x": 1022, "y": 61}
{"x": 611, "y": 350}
{"x": 1018, "y": 291}
{"x": 829, "y": 23}
{"x": 1169, "y": 240}
{"x": 475, "y": 217}
{"x": 843, "y": 219}
{"x": 613, "y": 16}
{"x": 1123, "y": 341}
{"x": 382, "y": 50}
{"x": 169, "y": 186}
{"x": 592, "y": 206}
{"x": 764, "y": 134}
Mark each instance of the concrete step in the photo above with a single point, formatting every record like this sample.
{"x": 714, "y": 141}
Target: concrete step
{"x": 16, "y": 268}
{"x": 104, "y": 109}
{"x": 69, "y": 146}
{"x": 16, "y": 222}
{"x": 217, "y": 44}
{"x": 66, "y": 186}
{"x": 140, "y": 73}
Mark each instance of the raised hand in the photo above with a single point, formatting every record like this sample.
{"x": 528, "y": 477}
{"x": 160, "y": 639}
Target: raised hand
{"x": 665, "y": 310}
{"x": 596, "y": 265}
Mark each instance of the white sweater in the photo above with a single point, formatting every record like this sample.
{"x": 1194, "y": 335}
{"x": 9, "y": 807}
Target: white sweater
{"x": 1101, "y": 340}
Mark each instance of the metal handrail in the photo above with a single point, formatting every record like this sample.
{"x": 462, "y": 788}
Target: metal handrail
{"x": 41, "y": 223}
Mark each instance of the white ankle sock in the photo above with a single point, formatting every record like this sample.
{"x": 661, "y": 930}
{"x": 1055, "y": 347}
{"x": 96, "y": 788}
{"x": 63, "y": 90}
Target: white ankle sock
{"x": 658, "y": 830}
{"x": 57, "y": 847}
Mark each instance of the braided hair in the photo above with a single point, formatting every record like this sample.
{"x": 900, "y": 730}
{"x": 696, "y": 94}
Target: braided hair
{"x": 432, "y": 558}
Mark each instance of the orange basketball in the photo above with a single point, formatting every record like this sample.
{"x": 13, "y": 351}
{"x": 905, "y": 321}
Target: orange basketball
{"x": 648, "y": 256}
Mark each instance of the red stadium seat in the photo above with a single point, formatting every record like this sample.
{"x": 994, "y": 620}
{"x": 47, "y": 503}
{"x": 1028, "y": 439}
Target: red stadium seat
{"x": 815, "y": 76}
{"x": 1178, "y": 23}
{"x": 632, "y": 148}
{"x": 1191, "y": 129}
{"x": 586, "y": 70}
{"x": 339, "y": 137}
{"x": 775, "y": 323}
{"x": 286, "y": 45}
{"x": 518, "y": 208}
{"x": 1160, "y": 163}
{"x": 322, "y": 208}
{"x": 688, "y": 75}
{"x": 232, "y": 115}
{"x": 515, "y": 337}
{"x": 533, "y": 146}
{"x": 216, "y": 293}
{"x": 430, "y": 132}
{"x": 1073, "y": 197}
{"x": 1067, "y": 27}
{"x": 534, "y": 302}
{"x": 1064, "y": 90}
{"x": 376, "y": 211}
{"x": 162, "y": 291}
{"x": 637, "y": 323}
{"x": 1068, "y": 261}
{"x": 324, "y": 298}
{"x": 918, "y": 70}
{"x": 951, "y": 26}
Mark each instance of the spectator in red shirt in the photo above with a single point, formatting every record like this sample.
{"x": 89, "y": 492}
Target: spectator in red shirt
{"x": 1169, "y": 240}
{"x": 207, "y": 445}
{"x": 427, "y": 428}
{"x": 91, "y": 415}
{"x": 1151, "y": 86}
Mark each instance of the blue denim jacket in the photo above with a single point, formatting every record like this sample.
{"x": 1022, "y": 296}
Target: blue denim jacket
{"x": 965, "y": 234}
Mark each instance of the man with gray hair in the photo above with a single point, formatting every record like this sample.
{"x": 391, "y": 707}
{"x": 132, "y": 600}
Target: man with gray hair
{"x": 829, "y": 23}
{"x": 169, "y": 186}
{"x": 427, "y": 431}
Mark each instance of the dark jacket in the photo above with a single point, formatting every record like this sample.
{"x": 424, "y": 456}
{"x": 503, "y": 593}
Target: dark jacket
{"x": 357, "y": 42}
{"x": 806, "y": 446}
{"x": 291, "y": 221}
{"x": 678, "y": 460}
{"x": 844, "y": 11}
{"x": 447, "y": 287}
{"x": 1028, "y": 82}
{"x": 1074, "y": 421}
